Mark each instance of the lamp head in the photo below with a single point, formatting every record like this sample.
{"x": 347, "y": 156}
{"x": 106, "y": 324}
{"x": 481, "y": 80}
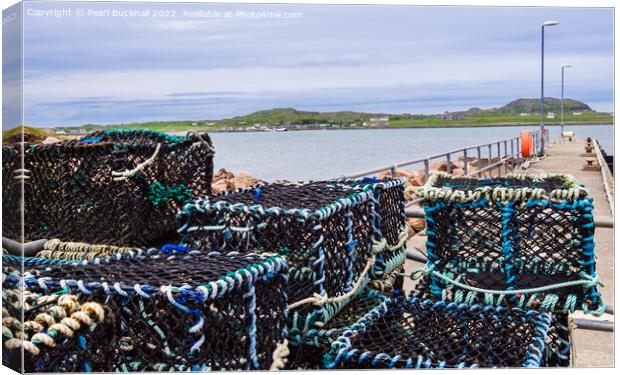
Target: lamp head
{"x": 550, "y": 23}
{"x": 567, "y": 66}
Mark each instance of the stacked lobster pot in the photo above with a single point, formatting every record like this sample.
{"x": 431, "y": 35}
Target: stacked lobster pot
{"x": 515, "y": 241}
{"x": 145, "y": 311}
{"x": 558, "y": 348}
{"x": 113, "y": 187}
{"x": 109, "y": 194}
{"x": 330, "y": 231}
{"x": 413, "y": 333}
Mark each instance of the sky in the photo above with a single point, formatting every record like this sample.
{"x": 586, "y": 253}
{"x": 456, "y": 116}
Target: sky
{"x": 182, "y": 62}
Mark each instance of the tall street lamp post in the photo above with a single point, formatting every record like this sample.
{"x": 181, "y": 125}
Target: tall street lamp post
{"x": 542, "y": 84}
{"x": 562, "y": 105}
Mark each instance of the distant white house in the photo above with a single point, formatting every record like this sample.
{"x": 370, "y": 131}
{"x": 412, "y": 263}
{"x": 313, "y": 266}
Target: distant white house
{"x": 379, "y": 121}
{"x": 524, "y": 114}
{"x": 577, "y": 113}
{"x": 194, "y": 124}
{"x": 550, "y": 115}
{"x": 60, "y": 131}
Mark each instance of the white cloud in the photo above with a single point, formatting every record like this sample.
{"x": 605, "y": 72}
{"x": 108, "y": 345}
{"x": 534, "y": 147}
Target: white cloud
{"x": 335, "y": 57}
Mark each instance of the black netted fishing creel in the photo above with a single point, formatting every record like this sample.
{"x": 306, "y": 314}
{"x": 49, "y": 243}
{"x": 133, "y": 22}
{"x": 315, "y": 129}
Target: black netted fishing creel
{"x": 558, "y": 344}
{"x": 330, "y": 232}
{"x": 530, "y": 237}
{"x": 186, "y": 311}
{"x": 120, "y": 187}
{"x": 413, "y": 333}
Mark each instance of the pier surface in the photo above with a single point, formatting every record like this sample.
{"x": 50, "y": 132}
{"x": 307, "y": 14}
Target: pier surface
{"x": 592, "y": 348}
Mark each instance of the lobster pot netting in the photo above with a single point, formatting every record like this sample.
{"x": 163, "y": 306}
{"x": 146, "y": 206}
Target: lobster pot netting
{"x": 411, "y": 333}
{"x": 148, "y": 311}
{"x": 517, "y": 241}
{"x": 11, "y": 191}
{"x": 329, "y": 230}
{"x": 558, "y": 344}
{"x": 316, "y": 342}
{"x": 559, "y": 348}
{"x": 390, "y": 202}
{"x": 111, "y": 187}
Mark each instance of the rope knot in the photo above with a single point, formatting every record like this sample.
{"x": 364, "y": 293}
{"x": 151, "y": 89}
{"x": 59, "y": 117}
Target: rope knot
{"x": 424, "y": 271}
{"x": 319, "y": 299}
{"x": 594, "y": 280}
{"x": 378, "y": 246}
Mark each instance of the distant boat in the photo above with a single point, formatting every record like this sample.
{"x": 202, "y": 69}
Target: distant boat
{"x": 281, "y": 129}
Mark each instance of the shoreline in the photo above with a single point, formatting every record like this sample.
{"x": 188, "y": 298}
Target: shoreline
{"x": 307, "y": 128}
{"x": 456, "y": 126}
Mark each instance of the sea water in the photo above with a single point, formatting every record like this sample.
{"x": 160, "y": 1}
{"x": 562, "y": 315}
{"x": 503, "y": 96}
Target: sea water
{"x": 323, "y": 154}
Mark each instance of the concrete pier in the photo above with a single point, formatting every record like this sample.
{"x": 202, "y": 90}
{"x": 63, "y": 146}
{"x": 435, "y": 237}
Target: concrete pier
{"x": 593, "y": 348}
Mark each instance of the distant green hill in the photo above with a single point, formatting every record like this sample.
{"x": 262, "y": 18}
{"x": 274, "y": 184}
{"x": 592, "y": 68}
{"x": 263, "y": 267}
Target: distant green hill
{"x": 517, "y": 112}
{"x": 519, "y": 106}
{"x": 286, "y": 116}
{"x": 550, "y": 104}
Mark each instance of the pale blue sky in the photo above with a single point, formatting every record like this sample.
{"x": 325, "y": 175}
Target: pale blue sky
{"x": 391, "y": 59}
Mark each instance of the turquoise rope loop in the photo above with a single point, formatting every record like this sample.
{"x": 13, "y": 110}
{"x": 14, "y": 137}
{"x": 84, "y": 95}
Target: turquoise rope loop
{"x": 548, "y": 303}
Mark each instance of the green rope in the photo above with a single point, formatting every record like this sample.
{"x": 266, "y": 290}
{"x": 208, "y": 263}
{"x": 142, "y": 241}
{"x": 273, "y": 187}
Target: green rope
{"x": 548, "y": 303}
{"x": 587, "y": 281}
{"x": 159, "y": 194}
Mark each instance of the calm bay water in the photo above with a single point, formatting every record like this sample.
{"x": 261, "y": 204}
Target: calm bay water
{"x": 322, "y": 154}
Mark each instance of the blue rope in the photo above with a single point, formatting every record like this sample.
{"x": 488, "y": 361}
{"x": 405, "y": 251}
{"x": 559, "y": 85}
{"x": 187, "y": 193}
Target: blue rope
{"x": 250, "y": 295}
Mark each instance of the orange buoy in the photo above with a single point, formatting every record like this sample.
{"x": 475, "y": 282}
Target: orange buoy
{"x": 526, "y": 144}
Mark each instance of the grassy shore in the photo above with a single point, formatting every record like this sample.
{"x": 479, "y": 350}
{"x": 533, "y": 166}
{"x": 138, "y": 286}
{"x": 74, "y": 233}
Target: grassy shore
{"x": 178, "y": 127}
{"x": 483, "y": 121}
{"x": 506, "y": 120}
{"x": 432, "y": 121}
